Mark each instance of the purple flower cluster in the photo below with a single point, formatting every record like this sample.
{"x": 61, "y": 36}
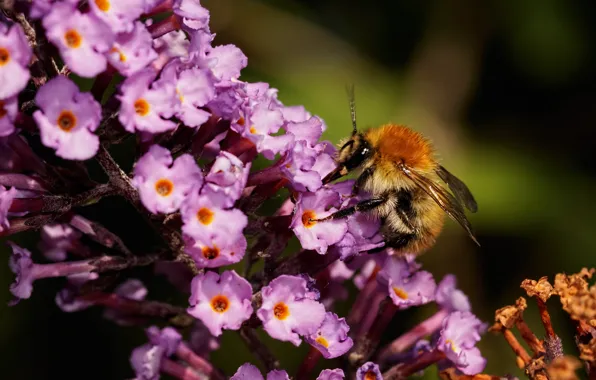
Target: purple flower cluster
{"x": 198, "y": 127}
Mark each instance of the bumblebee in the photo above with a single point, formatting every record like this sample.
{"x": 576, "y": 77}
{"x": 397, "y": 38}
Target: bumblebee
{"x": 399, "y": 171}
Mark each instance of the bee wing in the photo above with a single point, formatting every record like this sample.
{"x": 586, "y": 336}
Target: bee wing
{"x": 443, "y": 198}
{"x": 459, "y": 189}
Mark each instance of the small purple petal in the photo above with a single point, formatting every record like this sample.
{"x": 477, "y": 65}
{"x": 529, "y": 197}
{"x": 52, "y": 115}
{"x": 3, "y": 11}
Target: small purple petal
{"x": 82, "y": 39}
{"x": 216, "y": 253}
{"x": 220, "y": 301}
{"x": 318, "y": 235}
{"x": 277, "y": 374}
{"x": 9, "y": 108}
{"x": 286, "y": 311}
{"x": 119, "y": 15}
{"x": 331, "y": 338}
{"x": 369, "y": 371}
{"x": 67, "y": 119}
{"x": 146, "y": 104}
{"x": 15, "y": 54}
{"x": 247, "y": 371}
{"x": 132, "y": 51}
{"x": 449, "y": 297}
{"x": 194, "y": 16}
{"x": 229, "y": 62}
{"x": 458, "y": 337}
{"x": 331, "y": 374}
{"x": 6, "y": 197}
{"x": 162, "y": 187}
{"x": 21, "y": 265}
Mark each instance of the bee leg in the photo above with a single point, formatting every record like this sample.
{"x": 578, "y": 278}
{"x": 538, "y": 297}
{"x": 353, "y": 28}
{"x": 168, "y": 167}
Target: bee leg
{"x": 362, "y": 178}
{"x": 366, "y": 205}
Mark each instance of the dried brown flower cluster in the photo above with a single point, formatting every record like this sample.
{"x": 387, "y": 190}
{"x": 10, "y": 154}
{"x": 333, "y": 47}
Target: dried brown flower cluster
{"x": 547, "y": 360}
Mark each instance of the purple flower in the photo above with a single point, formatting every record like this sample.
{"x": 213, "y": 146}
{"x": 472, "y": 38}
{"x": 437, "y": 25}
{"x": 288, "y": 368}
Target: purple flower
{"x": 228, "y": 62}
{"x": 146, "y": 104}
{"x": 131, "y": 289}
{"x": 57, "y": 240}
{"x": 318, "y": 235}
{"x": 27, "y": 272}
{"x": 15, "y": 54}
{"x": 163, "y": 183}
{"x": 83, "y": 39}
{"x": 449, "y": 297}
{"x": 248, "y": 371}
{"x": 194, "y": 88}
{"x": 220, "y": 301}
{"x": 216, "y": 253}
{"x": 132, "y": 51}
{"x": 226, "y": 179}
{"x": 363, "y": 230}
{"x": 331, "y": 374}
{"x": 288, "y": 310}
{"x": 67, "y": 119}
{"x": 8, "y": 112}
{"x": 331, "y": 338}
{"x": 170, "y": 45}
{"x": 146, "y": 359}
{"x": 308, "y": 130}
{"x": 458, "y": 337}
{"x": 260, "y": 124}
{"x": 369, "y": 371}
{"x": 6, "y": 197}
{"x": 119, "y": 15}
{"x": 193, "y": 15}
{"x": 305, "y": 166}
{"x": 206, "y": 221}
{"x": 405, "y": 288}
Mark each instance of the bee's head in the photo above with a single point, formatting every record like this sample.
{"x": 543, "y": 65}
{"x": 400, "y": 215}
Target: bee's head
{"x": 352, "y": 154}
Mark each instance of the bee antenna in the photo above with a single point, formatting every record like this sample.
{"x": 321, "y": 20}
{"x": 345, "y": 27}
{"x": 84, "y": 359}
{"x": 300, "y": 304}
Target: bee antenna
{"x": 352, "y": 99}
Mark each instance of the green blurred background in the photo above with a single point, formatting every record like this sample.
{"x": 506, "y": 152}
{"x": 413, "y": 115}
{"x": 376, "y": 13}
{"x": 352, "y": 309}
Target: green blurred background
{"x": 505, "y": 89}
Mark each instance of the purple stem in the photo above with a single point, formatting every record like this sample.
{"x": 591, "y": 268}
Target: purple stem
{"x": 178, "y": 371}
{"x": 267, "y": 175}
{"x": 21, "y": 181}
{"x": 185, "y": 353}
{"x": 409, "y": 338}
{"x": 164, "y": 26}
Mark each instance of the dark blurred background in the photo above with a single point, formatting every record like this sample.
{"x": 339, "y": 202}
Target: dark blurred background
{"x": 506, "y": 90}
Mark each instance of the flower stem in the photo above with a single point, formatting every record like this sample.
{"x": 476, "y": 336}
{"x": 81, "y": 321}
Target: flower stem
{"x": 517, "y": 348}
{"x": 185, "y": 353}
{"x": 423, "y": 361}
{"x": 178, "y": 371}
{"x": 308, "y": 364}
{"x": 409, "y": 338}
{"x": 164, "y": 26}
{"x": 552, "y": 343}
{"x": 267, "y": 175}
{"x": 530, "y": 338}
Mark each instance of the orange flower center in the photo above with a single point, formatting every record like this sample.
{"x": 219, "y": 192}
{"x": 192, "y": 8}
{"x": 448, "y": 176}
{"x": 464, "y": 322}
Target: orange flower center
{"x": 400, "y": 293}
{"x": 121, "y": 55}
{"x": 210, "y": 253}
{"x": 73, "y": 38}
{"x": 281, "y": 311}
{"x": 103, "y": 5}
{"x": 220, "y": 303}
{"x": 142, "y": 107}
{"x": 240, "y": 121}
{"x": 370, "y": 375}
{"x": 3, "y": 110}
{"x": 4, "y": 56}
{"x": 252, "y": 130}
{"x": 451, "y": 345}
{"x": 308, "y": 218}
{"x": 205, "y": 216}
{"x": 66, "y": 121}
{"x": 164, "y": 187}
{"x": 322, "y": 341}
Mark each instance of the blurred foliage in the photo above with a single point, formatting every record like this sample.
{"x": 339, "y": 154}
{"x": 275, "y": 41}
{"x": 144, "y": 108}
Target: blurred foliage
{"x": 506, "y": 91}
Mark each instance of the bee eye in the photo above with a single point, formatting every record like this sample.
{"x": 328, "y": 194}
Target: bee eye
{"x": 364, "y": 151}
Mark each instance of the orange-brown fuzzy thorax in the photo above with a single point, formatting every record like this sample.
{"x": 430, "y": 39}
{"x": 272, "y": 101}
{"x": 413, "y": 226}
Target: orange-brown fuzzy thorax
{"x": 400, "y": 143}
